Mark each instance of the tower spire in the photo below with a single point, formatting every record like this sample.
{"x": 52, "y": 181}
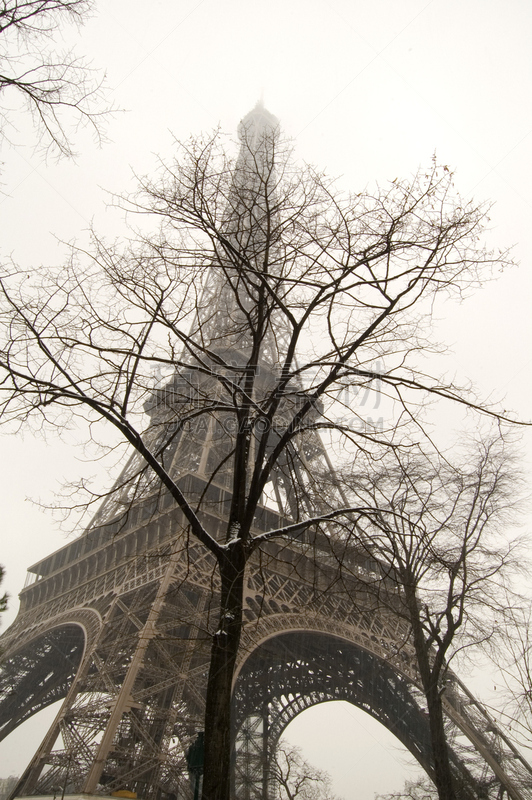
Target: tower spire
{"x": 259, "y": 123}
{"x": 249, "y": 229}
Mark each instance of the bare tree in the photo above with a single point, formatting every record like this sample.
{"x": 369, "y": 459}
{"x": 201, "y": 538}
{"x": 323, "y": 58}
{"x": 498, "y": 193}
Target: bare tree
{"x": 293, "y": 778}
{"x": 7, "y": 785}
{"x": 420, "y": 789}
{"x": 59, "y": 89}
{"x": 263, "y": 293}
{"x": 514, "y": 666}
{"x": 439, "y": 533}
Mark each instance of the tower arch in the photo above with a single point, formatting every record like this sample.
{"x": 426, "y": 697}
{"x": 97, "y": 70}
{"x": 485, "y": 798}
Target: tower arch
{"x": 294, "y": 670}
{"x": 41, "y": 670}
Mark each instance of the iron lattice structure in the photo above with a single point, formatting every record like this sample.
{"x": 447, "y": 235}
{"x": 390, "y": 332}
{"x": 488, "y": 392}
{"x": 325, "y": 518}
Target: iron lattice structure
{"x": 118, "y": 623}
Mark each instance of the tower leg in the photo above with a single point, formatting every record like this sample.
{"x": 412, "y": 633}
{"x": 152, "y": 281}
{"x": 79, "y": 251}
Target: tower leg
{"x": 252, "y": 757}
{"x": 29, "y": 778}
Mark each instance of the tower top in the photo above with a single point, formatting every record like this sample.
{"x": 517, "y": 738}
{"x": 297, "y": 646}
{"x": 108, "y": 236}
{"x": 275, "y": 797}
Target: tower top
{"x": 259, "y": 122}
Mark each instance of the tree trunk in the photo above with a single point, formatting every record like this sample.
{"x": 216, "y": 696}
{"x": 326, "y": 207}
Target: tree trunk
{"x": 225, "y": 643}
{"x": 443, "y": 777}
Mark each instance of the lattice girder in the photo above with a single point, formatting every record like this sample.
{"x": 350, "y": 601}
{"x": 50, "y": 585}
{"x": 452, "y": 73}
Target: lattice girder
{"x": 164, "y": 706}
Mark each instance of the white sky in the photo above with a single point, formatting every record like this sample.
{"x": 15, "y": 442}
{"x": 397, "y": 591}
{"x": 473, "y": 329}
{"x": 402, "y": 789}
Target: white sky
{"x": 368, "y": 92}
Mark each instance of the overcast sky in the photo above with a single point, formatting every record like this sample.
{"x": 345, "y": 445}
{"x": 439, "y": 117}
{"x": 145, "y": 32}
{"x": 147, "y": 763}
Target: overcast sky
{"x": 368, "y": 92}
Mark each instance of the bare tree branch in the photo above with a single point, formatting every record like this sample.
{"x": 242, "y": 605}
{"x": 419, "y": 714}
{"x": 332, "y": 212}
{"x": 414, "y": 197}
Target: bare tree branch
{"x": 60, "y": 90}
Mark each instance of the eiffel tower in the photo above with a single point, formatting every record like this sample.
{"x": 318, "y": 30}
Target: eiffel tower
{"x": 117, "y": 623}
